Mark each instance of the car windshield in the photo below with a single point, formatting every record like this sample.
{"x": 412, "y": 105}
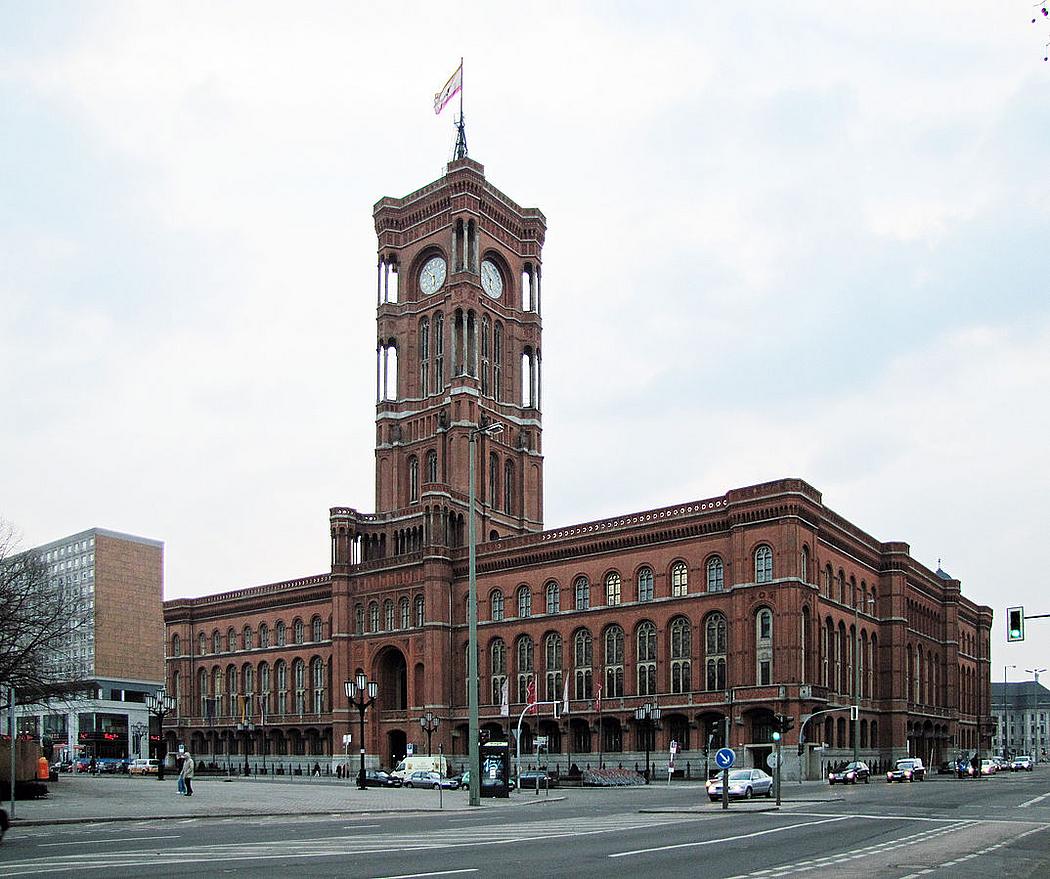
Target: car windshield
{"x": 905, "y": 764}
{"x": 853, "y": 766}
{"x": 740, "y": 775}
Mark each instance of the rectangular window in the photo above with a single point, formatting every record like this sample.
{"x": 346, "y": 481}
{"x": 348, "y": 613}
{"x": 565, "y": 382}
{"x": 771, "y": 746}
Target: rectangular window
{"x": 765, "y": 673}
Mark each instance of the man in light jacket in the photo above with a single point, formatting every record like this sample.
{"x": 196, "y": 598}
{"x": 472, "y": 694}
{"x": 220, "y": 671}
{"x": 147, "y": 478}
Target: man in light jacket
{"x": 186, "y": 775}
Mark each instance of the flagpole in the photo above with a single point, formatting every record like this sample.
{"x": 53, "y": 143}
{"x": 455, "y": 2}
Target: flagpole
{"x": 601, "y": 744}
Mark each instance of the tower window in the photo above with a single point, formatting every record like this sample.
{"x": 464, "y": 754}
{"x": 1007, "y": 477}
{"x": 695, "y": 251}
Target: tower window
{"x": 493, "y": 480}
{"x": 497, "y": 362}
{"x": 764, "y": 647}
{"x": 413, "y": 479}
{"x": 763, "y": 564}
{"x": 439, "y": 352}
{"x": 508, "y": 487}
{"x": 424, "y": 356}
{"x": 486, "y": 332}
{"x": 432, "y": 467}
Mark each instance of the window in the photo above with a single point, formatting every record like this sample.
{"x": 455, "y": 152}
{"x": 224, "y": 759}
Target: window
{"x": 763, "y": 564}
{"x": 582, "y": 653}
{"x": 715, "y": 575}
{"x": 508, "y": 487}
{"x": 613, "y": 662}
{"x": 679, "y": 579}
{"x": 524, "y": 602}
{"x": 413, "y": 479}
{"x": 299, "y": 632}
{"x": 432, "y": 467}
{"x": 406, "y": 619}
{"x": 217, "y": 691}
{"x": 681, "y": 655}
{"x": 493, "y": 480}
{"x": 264, "y": 690}
{"x": 497, "y": 362}
{"x": 825, "y": 583}
{"x": 647, "y": 659}
{"x": 420, "y": 615}
{"x": 359, "y": 619}
{"x": 525, "y": 667}
{"x": 280, "y": 670}
{"x": 486, "y": 335}
{"x": 231, "y": 692}
{"x": 645, "y": 584}
{"x": 498, "y": 663}
{"x": 231, "y": 640}
{"x": 553, "y": 597}
{"x": 317, "y": 628}
{"x": 388, "y": 615}
{"x": 764, "y": 647}
{"x": 247, "y": 636}
{"x": 803, "y": 565}
{"x": 424, "y": 356}
{"x": 299, "y": 676}
{"x": 373, "y": 617}
{"x": 715, "y": 651}
{"x": 553, "y": 667}
{"x": 582, "y": 589}
{"x": 216, "y": 642}
{"x": 202, "y": 644}
{"x": 496, "y": 604}
{"x": 176, "y": 646}
{"x": 264, "y": 635}
{"x": 317, "y": 676}
{"x": 612, "y": 588}
{"x": 439, "y": 351}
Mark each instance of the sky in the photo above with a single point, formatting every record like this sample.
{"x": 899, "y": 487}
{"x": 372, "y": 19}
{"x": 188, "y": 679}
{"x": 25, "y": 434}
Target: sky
{"x": 800, "y": 239}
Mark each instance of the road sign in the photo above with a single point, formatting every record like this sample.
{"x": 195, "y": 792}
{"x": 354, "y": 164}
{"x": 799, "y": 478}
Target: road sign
{"x": 773, "y": 759}
{"x": 725, "y": 758}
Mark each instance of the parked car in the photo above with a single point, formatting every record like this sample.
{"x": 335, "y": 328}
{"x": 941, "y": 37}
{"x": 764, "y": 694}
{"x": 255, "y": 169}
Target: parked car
{"x": 83, "y": 764}
{"x": 434, "y": 780}
{"x": 851, "y": 774}
{"x": 529, "y": 779}
{"x": 743, "y": 784}
{"x": 989, "y": 767}
{"x": 910, "y": 769}
{"x": 143, "y": 767}
{"x": 1022, "y": 762}
{"x": 379, "y": 778}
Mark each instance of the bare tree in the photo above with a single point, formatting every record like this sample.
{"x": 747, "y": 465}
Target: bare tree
{"x": 39, "y": 617}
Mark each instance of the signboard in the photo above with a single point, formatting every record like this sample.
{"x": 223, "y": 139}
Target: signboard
{"x": 773, "y": 759}
{"x": 725, "y": 758}
{"x": 347, "y": 738}
{"x": 410, "y": 749}
{"x": 541, "y": 741}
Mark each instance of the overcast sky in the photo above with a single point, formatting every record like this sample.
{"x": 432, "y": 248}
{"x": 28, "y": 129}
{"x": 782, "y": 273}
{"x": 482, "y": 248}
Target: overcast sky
{"x": 802, "y": 239}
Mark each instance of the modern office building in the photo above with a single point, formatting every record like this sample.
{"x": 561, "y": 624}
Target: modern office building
{"x": 117, "y": 648}
{"x": 1021, "y": 709}
{"x": 724, "y": 611}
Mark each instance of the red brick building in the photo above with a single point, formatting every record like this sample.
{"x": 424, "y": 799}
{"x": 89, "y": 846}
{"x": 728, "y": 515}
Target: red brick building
{"x": 757, "y": 602}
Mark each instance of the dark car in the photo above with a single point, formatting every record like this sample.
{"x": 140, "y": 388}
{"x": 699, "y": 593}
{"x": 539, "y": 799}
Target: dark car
{"x": 851, "y": 773}
{"x": 907, "y": 770}
{"x": 531, "y": 779}
{"x": 379, "y": 778}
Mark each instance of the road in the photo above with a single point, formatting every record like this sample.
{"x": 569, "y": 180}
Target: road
{"x": 939, "y": 828}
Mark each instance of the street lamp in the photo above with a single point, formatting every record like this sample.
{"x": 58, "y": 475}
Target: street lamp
{"x": 246, "y": 727}
{"x": 1036, "y": 672}
{"x": 1005, "y": 703}
{"x": 856, "y": 674}
{"x": 429, "y": 723}
{"x": 158, "y": 704}
{"x": 361, "y": 692}
{"x": 648, "y": 715}
{"x": 491, "y": 429}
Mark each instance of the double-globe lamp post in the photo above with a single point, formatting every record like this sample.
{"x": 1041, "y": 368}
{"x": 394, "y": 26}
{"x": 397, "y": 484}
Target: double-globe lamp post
{"x": 429, "y": 723}
{"x": 361, "y": 692}
{"x": 159, "y": 704}
{"x": 491, "y": 429}
{"x": 647, "y": 715}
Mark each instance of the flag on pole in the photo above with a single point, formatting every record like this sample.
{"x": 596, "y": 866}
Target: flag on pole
{"x": 454, "y": 84}
{"x": 565, "y": 698}
{"x": 504, "y": 705}
{"x": 597, "y": 697}
{"x": 530, "y": 696}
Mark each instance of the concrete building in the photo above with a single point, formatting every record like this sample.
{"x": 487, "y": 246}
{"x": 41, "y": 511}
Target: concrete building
{"x": 1021, "y": 709}
{"x": 725, "y": 610}
{"x": 118, "y": 646}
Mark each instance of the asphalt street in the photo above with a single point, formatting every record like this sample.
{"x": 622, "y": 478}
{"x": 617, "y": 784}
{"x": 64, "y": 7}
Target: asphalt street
{"x": 938, "y": 828}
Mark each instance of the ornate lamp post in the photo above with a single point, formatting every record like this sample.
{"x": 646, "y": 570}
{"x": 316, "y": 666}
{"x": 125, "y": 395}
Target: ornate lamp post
{"x": 361, "y": 692}
{"x": 246, "y": 727}
{"x": 429, "y": 723}
{"x": 158, "y": 704}
{"x": 472, "y": 620}
{"x": 647, "y": 715}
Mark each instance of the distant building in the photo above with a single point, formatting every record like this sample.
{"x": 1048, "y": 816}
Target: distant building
{"x": 118, "y": 646}
{"x": 1021, "y": 708}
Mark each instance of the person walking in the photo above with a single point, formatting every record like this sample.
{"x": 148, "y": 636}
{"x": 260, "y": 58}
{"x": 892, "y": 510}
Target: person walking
{"x": 186, "y": 773}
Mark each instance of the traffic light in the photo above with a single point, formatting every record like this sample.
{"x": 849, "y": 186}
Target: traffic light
{"x": 776, "y": 735}
{"x": 1015, "y": 624}
{"x": 786, "y": 723}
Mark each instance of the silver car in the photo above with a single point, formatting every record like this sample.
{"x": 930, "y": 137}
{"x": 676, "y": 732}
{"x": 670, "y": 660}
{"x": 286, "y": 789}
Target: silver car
{"x": 743, "y": 785}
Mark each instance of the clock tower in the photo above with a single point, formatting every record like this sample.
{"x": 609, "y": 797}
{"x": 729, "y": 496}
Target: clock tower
{"x": 458, "y": 348}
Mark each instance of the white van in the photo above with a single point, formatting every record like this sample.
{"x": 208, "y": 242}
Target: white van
{"x": 416, "y": 763}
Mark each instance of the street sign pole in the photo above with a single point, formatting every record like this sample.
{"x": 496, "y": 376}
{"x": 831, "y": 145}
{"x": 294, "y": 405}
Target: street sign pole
{"x": 778, "y": 772}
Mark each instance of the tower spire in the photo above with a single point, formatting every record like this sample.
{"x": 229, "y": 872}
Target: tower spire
{"x": 461, "y": 138}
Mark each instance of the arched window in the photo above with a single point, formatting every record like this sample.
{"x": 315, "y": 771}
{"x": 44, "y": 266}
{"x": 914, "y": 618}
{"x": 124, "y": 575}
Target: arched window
{"x": 388, "y": 615}
{"x": 486, "y": 339}
{"x": 202, "y": 644}
{"x": 176, "y": 645}
{"x": 373, "y": 617}
{"x": 681, "y": 655}
{"x": 493, "y": 480}
{"x": 316, "y": 627}
{"x": 803, "y": 564}
{"x": 645, "y": 584}
{"x": 217, "y": 690}
{"x": 525, "y": 667}
{"x": 613, "y": 662}
{"x": 825, "y": 583}
{"x": 715, "y": 651}
{"x": 317, "y": 677}
{"x": 264, "y": 635}
{"x": 247, "y": 637}
{"x": 432, "y": 467}
{"x": 231, "y": 692}
{"x": 202, "y": 692}
{"x": 413, "y": 479}
{"x": 553, "y": 667}
{"x": 583, "y": 658}
{"x": 280, "y": 671}
{"x": 553, "y": 597}
{"x": 281, "y": 633}
{"x": 496, "y": 604}
{"x": 359, "y": 619}
{"x": 716, "y": 581}
{"x": 216, "y": 642}
{"x": 498, "y": 665}
{"x": 231, "y": 640}
{"x": 524, "y": 602}
{"x": 647, "y": 659}
{"x": 424, "y": 356}
{"x": 299, "y": 676}
{"x": 763, "y": 564}
{"x": 612, "y": 588}
{"x": 439, "y": 352}
{"x": 497, "y": 362}
{"x": 420, "y": 615}
{"x": 406, "y": 619}
{"x": 265, "y": 695}
{"x": 508, "y": 487}
{"x": 679, "y": 579}
{"x": 764, "y": 647}
{"x": 582, "y": 588}
{"x": 299, "y": 631}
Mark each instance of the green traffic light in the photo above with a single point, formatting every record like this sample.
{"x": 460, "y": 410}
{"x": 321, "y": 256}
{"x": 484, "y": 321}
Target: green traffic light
{"x": 776, "y": 737}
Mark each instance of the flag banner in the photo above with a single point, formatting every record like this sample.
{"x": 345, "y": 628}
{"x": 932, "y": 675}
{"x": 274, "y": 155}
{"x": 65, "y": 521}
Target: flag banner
{"x": 454, "y": 84}
{"x": 565, "y": 698}
{"x": 504, "y": 705}
{"x": 598, "y": 697}
{"x": 530, "y": 696}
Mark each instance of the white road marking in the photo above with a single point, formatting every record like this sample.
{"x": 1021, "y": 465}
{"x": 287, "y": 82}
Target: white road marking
{"x": 441, "y": 873}
{"x": 664, "y": 848}
{"x": 1033, "y": 801}
{"x": 107, "y": 841}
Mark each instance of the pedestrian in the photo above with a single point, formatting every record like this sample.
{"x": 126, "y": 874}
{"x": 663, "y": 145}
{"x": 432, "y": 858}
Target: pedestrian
{"x": 91, "y": 765}
{"x": 317, "y": 769}
{"x": 186, "y": 774}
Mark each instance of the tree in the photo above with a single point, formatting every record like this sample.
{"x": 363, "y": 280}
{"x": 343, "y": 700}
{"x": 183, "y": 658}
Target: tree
{"x": 39, "y": 617}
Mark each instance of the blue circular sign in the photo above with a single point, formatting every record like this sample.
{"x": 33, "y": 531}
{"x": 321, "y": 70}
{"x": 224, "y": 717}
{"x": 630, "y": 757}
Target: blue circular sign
{"x": 725, "y": 758}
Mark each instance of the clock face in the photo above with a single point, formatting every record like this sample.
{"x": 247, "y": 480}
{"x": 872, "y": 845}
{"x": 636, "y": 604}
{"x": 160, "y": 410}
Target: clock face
{"x": 491, "y": 279}
{"x": 432, "y": 275}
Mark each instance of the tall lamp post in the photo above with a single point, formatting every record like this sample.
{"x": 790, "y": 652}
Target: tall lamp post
{"x": 472, "y": 618}
{"x": 856, "y": 674}
{"x": 1036, "y": 672}
{"x": 647, "y": 715}
{"x": 361, "y": 692}
{"x": 246, "y": 727}
{"x": 429, "y": 723}
{"x": 1005, "y": 703}
{"x": 159, "y": 704}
